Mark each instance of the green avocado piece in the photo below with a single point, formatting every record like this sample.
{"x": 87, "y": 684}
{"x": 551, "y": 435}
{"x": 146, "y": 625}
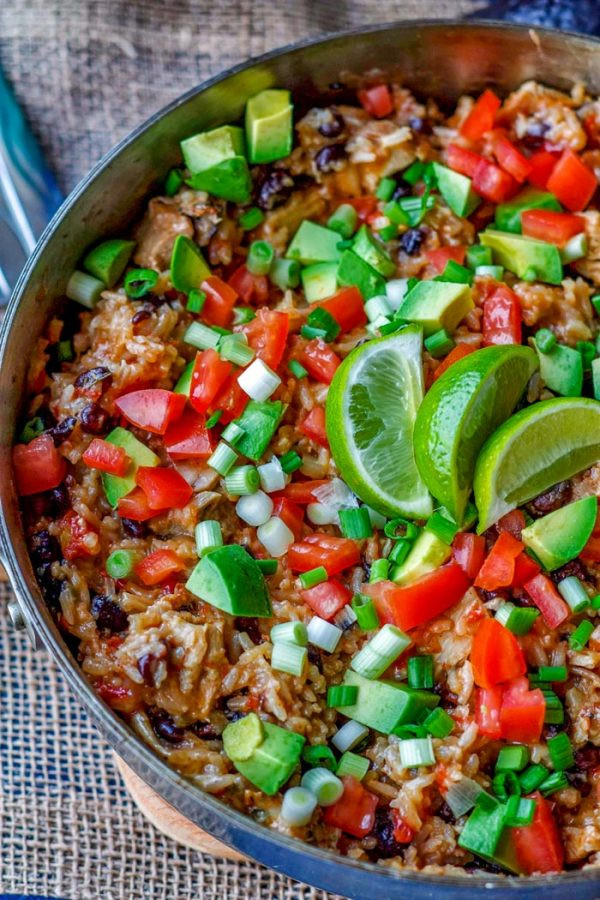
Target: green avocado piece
{"x": 561, "y": 369}
{"x": 188, "y": 266}
{"x": 508, "y": 215}
{"x": 373, "y": 252}
{"x": 107, "y": 261}
{"x": 526, "y": 257}
{"x": 229, "y": 179}
{"x": 184, "y": 382}
{"x": 353, "y": 270}
{"x": 258, "y": 422}
{"x": 457, "y": 190}
{"x": 313, "y": 243}
{"x": 427, "y": 553}
{"x": 319, "y": 280}
{"x": 560, "y": 536}
{"x": 209, "y": 148}
{"x": 230, "y": 579}
{"x": 485, "y": 834}
{"x": 385, "y": 705}
{"x": 272, "y": 760}
{"x": 269, "y": 132}
{"x": 139, "y": 454}
{"x": 436, "y": 305}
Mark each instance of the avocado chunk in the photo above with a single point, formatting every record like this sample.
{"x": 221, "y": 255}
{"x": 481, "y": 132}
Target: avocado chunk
{"x": 269, "y": 132}
{"x": 526, "y": 257}
{"x": 560, "y": 536}
{"x": 188, "y": 266}
{"x": 427, "y": 553}
{"x": 107, "y": 261}
{"x": 508, "y": 215}
{"x": 457, "y": 190}
{"x": 184, "y": 382}
{"x": 138, "y": 453}
{"x": 373, "y": 252}
{"x": 265, "y": 754}
{"x": 485, "y": 834}
{"x": 230, "y": 579}
{"x": 436, "y": 305}
{"x": 385, "y": 705}
{"x": 218, "y": 163}
{"x": 319, "y": 280}
{"x": 229, "y": 179}
{"x": 258, "y": 422}
{"x": 313, "y": 243}
{"x": 561, "y": 369}
{"x": 353, "y": 270}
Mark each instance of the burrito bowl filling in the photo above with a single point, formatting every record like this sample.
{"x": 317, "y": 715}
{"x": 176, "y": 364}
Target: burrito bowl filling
{"x": 309, "y": 471}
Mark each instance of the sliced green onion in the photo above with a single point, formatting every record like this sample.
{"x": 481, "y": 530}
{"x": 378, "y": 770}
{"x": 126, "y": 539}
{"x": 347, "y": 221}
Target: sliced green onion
{"x": 224, "y": 331}
{"x": 320, "y": 755}
{"x": 313, "y": 576}
{"x": 575, "y": 248}
{"x": 212, "y": 420}
{"x": 345, "y": 617}
{"x": 406, "y": 732}
{"x": 532, "y": 777}
{"x": 399, "y": 552}
{"x": 252, "y": 218}
{"x": 255, "y": 509}
{"x": 555, "y": 782}
{"x": 579, "y": 638}
{"x": 84, "y": 289}
{"x": 561, "y": 751}
{"x": 232, "y": 433}
{"x": 65, "y": 351}
{"x": 195, "y": 301}
{"x": 388, "y": 232}
{"x": 438, "y": 723}
{"x": 517, "y": 619}
{"x": 298, "y": 806}
{"x": 290, "y": 658}
{"x": 554, "y": 716}
{"x": 588, "y": 352}
{"x": 512, "y": 758}
{"x": 386, "y": 188}
{"x": 519, "y": 811}
{"x": 297, "y": 369}
{"x": 573, "y": 591}
{"x": 120, "y": 563}
{"x": 242, "y": 480}
{"x": 325, "y": 786}
{"x": 342, "y": 695}
{"x": 420, "y": 671}
{"x": 259, "y": 381}
{"x": 208, "y": 536}
{"x": 242, "y": 315}
{"x": 32, "y": 429}
{"x": 380, "y": 652}
{"x": 234, "y": 348}
{"x": 414, "y": 172}
{"x": 595, "y": 301}
{"x": 285, "y": 273}
{"x": 377, "y": 306}
{"x": 443, "y": 528}
{"x": 478, "y": 255}
{"x": 173, "y": 182}
{"x": 290, "y": 633}
{"x": 545, "y": 340}
{"x": 222, "y": 458}
{"x": 311, "y": 331}
{"x": 344, "y": 220}
{"x": 274, "y": 535}
{"x": 355, "y": 523}
{"x": 505, "y": 783}
{"x": 349, "y": 736}
{"x": 290, "y": 461}
{"x": 201, "y": 336}
{"x": 366, "y": 614}
{"x": 267, "y": 566}
{"x": 272, "y": 476}
{"x": 496, "y": 272}
{"x": 462, "y": 796}
{"x": 396, "y": 214}
{"x": 407, "y": 529}
{"x": 138, "y": 282}
{"x": 260, "y": 257}
{"x": 416, "y": 752}
{"x": 595, "y": 602}
{"x": 344, "y": 245}
{"x": 456, "y": 273}
{"x": 379, "y": 571}
{"x": 439, "y": 343}
{"x": 552, "y": 673}
{"x": 321, "y": 318}
{"x": 353, "y": 764}
{"x": 323, "y": 634}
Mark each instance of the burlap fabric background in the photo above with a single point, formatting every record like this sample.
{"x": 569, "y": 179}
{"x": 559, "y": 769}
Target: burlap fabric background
{"x": 86, "y": 72}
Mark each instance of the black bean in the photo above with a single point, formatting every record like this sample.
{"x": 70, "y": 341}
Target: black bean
{"x": 204, "y": 730}
{"x": 89, "y": 379}
{"x": 44, "y": 548}
{"x": 94, "y": 420}
{"x": 574, "y": 567}
{"x": 60, "y": 500}
{"x": 51, "y": 586}
{"x": 133, "y": 528}
{"x": 483, "y": 866}
{"x": 274, "y": 189}
{"x": 486, "y": 596}
{"x": 327, "y": 159}
{"x": 232, "y": 715}
{"x": 402, "y": 189}
{"x": 141, "y": 315}
{"x": 412, "y": 240}
{"x": 551, "y": 500}
{"x": 534, "y": 135}
{"x": 383, "y": 832}
{"x": 251, "y": 627}
{"x": 445, "y": 813}
{"x": 108, "y": 614}
{"x": 587, "y": 757}
{"x": 148, "y": 665}
{"x": 418, "y": 124}
{"x": 62, "y": 431}
{"x": 165, "y": 727}
{"x": 333, "y": 125}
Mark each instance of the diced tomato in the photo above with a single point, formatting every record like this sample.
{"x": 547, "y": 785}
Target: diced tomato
{"x": 231, "y": 400}
{"x": 403, "y": 833}
{"x": 135, "y": 506}
{"x": 439, "y": 257}
{"x": 421, "y": 601}
{"x": 319, "y": 360}
{"x": 492, "y": 182}
{"x": 495, "y": 654}
{"x": 158, "y": 566}
{"x": 251, "y": 288}
{"x": 267, "y": 334}
{"x": 354, "y": 812}
{"x": 220, "y": 300}
{"x": 79, "y": 538}
{"x": 553, "y": 227}
{"x": 377, "y": 101}
{"x": 462, "y": 160}
{"x": 333, "y": 553}
{"x": 152, "y": 409}
{"x": 188, "y": 438}
{"x": 498, "y": 570}
{"x": 539, "y": 846}
{"x": 487, "y": 711}
{"x": 542, "y": 163}
{"x": 106, "y": 457}
{"x": 468, "y": 550}
{"x": 38, "y": 466}
{"x": 572, "y": 182}
{"x": 164, "y": 487}
{"x": 510, "y": 158}
{"x": 458, "y": 352}
{"x": 313, "y": 426}
{"x": 482, "y": 115}
{"x": 209, "y": 374}
{"x": 364, "y": 206}
{"x": 501, "y": 317}
{"x": 347, "y": 308}
{"x": 290, "y": 513}
{"x": 125, "y": 698}
{"x": 327, "y": 598}
{"x": 522, "y": 712}
{"x": 302, "y": 491}
{"x": 513, "y": 521}
{"x": 553, "y": 608}
{"x": 526, "y": 568}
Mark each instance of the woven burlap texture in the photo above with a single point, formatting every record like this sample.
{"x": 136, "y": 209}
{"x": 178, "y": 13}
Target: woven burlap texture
{"x": 86, "y": 73}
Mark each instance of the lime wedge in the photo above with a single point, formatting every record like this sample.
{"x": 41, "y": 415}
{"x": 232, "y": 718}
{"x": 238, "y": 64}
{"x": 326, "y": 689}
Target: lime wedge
{"x": 534, "y": 449}
{"x": 371, "y": 408}
{"x": 461, "y": 409}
